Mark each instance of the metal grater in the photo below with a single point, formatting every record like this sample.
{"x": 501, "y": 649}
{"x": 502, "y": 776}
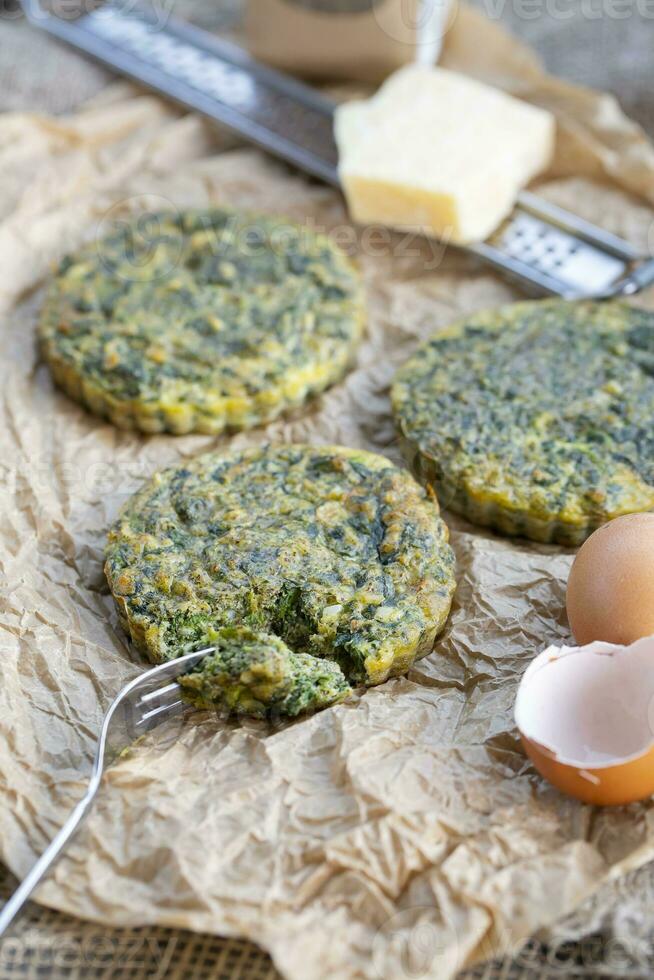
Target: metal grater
{"x": 548, "y": 250}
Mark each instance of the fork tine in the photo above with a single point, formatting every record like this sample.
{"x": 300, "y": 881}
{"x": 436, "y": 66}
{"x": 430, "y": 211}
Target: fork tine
{"x": 154, "y": 717}
{"x": 160, "y": 692}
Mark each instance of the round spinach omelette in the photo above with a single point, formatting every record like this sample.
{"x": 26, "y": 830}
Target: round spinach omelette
{"x": 335, "y": 552}
{"x": 201, "y": 321}
{"x": 535, "y": 419}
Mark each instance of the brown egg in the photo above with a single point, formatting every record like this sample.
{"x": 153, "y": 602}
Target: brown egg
{"x": 610, "y": 592}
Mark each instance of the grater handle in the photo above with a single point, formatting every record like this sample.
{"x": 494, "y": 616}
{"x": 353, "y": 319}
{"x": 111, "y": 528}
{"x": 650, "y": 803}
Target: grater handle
{"x": 209, "y": 75}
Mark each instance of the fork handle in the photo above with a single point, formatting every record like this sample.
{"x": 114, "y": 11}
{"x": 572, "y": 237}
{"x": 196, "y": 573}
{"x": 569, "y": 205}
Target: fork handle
{"x": 53, "y": 851}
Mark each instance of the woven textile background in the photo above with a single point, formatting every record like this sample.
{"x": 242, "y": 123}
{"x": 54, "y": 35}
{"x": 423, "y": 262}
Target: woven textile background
{"x": 582, "y": 42}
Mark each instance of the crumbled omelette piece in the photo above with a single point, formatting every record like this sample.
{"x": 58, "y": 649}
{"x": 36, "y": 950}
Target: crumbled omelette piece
{"x": 536, "y": 418}
{"x": 255, "y": 673}
{"x": 201, "y": 321}
{"x": 335, "y": 551}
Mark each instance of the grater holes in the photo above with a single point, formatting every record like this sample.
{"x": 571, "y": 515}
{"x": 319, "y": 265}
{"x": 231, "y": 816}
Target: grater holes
{"x": 202, "y": 71}
{"x": 226, "y": 83}
{"x": 548, "y": 250}
{"x": 544, "y": 248}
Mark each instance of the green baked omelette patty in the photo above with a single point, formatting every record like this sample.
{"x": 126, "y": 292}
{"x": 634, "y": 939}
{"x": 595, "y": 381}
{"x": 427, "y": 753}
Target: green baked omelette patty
{"x": 335, "y": 551}
{"x": 201, "y": 320}
{"x": 255, "y": 673}
{"x": 536, "y": 418}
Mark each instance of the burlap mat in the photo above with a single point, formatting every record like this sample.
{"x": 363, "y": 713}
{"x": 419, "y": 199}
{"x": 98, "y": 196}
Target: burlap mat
{"x": 46, "y": 943}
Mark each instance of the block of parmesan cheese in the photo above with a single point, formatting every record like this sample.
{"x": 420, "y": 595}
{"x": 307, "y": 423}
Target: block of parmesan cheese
{"x": 436, "y": 151}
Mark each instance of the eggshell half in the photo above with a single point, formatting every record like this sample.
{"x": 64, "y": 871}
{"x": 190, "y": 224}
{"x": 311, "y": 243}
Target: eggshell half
{"x": 586, "y": 717}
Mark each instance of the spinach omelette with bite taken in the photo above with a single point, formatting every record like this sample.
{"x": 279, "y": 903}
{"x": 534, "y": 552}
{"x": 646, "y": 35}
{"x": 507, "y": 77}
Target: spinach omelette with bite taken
{"x": 536, "y": 418}
{"x": 335, "y": 561}
{"x": 201, "y": 321}
{"x": 257, "y": 674}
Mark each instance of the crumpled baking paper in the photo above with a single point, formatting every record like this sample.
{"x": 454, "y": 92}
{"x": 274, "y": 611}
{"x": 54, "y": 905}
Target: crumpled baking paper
{"x": 400, "y": 835}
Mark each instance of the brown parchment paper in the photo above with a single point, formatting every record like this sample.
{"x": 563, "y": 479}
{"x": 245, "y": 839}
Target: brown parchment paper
{"x": 401, "y": 835}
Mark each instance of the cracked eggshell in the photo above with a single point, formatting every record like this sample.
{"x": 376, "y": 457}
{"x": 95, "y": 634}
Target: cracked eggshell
{"x": 586, "y": 717}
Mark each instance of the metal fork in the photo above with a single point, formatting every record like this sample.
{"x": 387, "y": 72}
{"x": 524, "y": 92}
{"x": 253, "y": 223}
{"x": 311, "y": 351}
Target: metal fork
{"x": 142, "y": 705}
